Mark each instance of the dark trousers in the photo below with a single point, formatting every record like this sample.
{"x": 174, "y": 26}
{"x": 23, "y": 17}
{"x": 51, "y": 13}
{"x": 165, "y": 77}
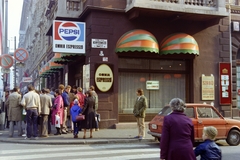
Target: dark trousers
{"x": 49, "y": 122}
{"x": 32, "y": 125}
{"x": 6, "y": 116}
{"x": 75, "y": 127}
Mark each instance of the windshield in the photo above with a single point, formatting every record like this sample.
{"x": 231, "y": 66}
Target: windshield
{"x": 165, "y": 111}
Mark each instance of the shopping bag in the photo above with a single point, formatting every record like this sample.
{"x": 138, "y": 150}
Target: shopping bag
{"x": 24, "y": 112}
{"x": 80, "y": 117}
{"x": 98, "y": 117}
{"x": 57, "y": 121}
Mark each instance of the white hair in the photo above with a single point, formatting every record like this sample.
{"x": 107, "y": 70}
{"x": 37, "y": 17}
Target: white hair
{"x": 177, "y": 104}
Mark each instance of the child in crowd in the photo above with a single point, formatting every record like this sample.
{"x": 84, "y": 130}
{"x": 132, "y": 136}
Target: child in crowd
{"x": 74, "y": 111}
{"x": 209, "y": 150}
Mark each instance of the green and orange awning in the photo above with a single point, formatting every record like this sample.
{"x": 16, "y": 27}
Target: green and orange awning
{"x": 142, "y": 40}
{"x": 137, "y": 40}
{"x": 179, "y": 43}
{"x": 54, "y": 66}
{"x": 58, "y": 59}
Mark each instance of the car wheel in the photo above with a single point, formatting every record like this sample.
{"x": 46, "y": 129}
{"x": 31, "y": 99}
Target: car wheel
{"x": 233, "y": 138}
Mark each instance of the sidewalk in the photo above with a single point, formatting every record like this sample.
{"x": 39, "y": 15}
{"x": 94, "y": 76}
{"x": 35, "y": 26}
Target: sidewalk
{"x": 103, "y": 136}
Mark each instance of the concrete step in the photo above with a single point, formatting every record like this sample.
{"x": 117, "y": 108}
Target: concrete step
{"x": 128, "y": 125}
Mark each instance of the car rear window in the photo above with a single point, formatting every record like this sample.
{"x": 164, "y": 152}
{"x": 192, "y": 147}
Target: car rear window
{"x": 165, "y": 111}
{"x": 189, "y": 111}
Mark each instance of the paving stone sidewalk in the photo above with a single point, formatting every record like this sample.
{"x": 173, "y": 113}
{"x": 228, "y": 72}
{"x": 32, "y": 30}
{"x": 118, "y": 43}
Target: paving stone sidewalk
{"x": 99, "y": 137}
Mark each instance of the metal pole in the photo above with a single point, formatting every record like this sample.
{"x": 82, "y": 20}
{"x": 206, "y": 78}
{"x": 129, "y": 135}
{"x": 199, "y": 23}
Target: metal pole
{"x": 15, "y": 66}
{"x": 5, "y": 48}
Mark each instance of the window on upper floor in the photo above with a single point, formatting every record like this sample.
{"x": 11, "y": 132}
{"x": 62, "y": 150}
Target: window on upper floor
{"x": 74, "y": 5}
{"x": 233, "y": 2}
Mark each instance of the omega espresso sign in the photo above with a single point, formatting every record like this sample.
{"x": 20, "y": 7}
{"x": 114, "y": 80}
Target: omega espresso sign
{"x": 104, "y": 77}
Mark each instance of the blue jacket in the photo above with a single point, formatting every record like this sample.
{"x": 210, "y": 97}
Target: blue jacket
{"x": 65, "y": 97}
{"x": 75, "y": 110}
{"x": 208, "y": 150}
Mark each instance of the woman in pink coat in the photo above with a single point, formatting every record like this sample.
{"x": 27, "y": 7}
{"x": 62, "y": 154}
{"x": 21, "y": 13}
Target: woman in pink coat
{"x": 57, "y": 109}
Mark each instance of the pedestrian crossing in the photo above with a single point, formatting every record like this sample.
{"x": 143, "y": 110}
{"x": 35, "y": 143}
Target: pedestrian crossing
{"x": 76, "y": 152}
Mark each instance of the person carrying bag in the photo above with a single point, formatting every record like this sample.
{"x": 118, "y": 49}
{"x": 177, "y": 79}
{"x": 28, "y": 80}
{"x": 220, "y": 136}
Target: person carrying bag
{"x": 75, "y": 111}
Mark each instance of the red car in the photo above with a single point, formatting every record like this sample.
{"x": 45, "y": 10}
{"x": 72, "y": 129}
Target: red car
{"x": 201, "y": 115}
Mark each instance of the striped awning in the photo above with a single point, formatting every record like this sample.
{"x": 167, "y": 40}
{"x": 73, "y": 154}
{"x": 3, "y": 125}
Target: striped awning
{"x": 137, "y": 40}
{"x": 58, "y": 59}
{"x": 70, "y": 55}
{"x": 46, "y": 70}
{"x": 179, "y": 43}
{"x": 54, "y": 66}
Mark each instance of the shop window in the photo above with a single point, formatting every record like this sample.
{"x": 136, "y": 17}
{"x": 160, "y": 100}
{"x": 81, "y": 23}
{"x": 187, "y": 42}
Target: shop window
{"x": 172, "y": 82}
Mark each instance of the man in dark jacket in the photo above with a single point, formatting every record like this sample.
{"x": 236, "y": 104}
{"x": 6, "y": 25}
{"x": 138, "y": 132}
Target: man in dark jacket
{"x": 66, "y": 102}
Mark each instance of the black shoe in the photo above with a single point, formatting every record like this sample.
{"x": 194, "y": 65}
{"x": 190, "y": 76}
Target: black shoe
{"x": 57, "y": 133}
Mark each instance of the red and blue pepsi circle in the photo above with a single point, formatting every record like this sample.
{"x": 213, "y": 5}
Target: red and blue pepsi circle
{"x": 69, "y": 31}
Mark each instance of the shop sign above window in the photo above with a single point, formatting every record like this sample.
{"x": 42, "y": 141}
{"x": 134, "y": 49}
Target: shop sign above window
{"x": 99, "y": 43}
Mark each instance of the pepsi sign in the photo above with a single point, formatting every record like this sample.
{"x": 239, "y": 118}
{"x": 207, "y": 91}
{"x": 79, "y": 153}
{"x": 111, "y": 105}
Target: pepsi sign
{"x": 68, "y": 37}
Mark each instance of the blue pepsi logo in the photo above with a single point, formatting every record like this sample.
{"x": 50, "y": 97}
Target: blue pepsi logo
{"x": 69, "y": 31}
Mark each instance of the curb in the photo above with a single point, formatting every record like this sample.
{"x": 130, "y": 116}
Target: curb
{"x": 75, "y": 141}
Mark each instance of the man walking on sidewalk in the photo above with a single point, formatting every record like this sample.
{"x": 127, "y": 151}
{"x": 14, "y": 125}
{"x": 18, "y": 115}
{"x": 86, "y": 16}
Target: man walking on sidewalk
{"x": 31, "y": 102}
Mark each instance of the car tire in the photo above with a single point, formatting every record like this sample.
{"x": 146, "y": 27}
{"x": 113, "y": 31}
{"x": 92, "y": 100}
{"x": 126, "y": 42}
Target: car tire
{"x": 233, "y": 138}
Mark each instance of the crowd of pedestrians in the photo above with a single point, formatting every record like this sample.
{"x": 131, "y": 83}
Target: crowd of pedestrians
{"x": 38, "y": 111}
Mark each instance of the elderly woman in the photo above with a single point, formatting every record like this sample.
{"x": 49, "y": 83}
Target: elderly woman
{"x": 177, "y": 134}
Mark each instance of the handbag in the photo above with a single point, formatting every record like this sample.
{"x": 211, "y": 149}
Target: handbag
{"x": 80, "y": 117}
{"x": 57, "y": 121}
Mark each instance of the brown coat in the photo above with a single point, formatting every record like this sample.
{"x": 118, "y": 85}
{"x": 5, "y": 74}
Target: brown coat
{"x": 14, "y": 109}
{"x": 46, "y": 104}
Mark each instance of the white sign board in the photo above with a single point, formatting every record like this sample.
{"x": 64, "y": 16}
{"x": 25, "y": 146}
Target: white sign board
{"x": 208, "y": 88}
{"x": 27, "y": 79}
{"x": 69, "y": 37}
{"x": 99, "y": 43}
{"x": 86, "y": 77}
{"x": 152, "y": 85}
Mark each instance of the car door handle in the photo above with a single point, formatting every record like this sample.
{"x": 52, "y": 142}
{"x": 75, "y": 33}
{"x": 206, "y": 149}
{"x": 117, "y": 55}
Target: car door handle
{"x": 200, "y": 122}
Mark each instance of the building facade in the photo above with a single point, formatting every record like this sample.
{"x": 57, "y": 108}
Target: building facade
{"x": 168, "y": 48}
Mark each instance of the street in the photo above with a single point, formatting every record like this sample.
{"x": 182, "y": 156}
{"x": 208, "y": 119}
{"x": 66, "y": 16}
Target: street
{"x": 125, "y": 151}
